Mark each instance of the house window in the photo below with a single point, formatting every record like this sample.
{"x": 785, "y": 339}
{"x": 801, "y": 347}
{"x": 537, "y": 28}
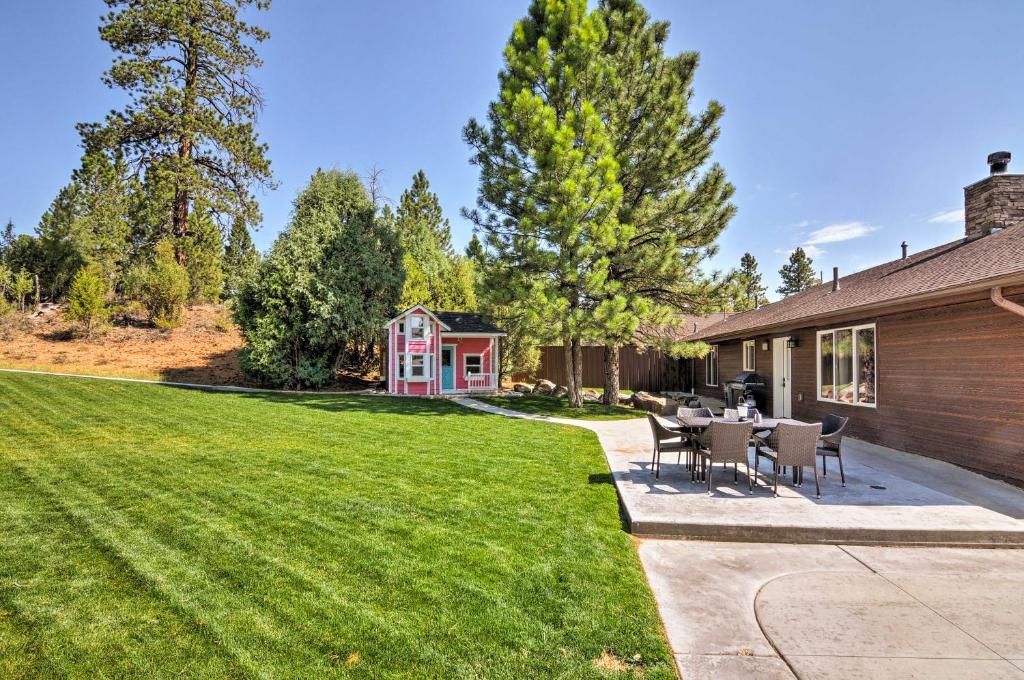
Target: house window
{"x": 711, "y": 367}
{"x": 749, "y": 355}
{"x": 401, "y": 366}
{"x": 401, "y": 328}
{"x": 474, "y": 364}
{"x": 417, "y": 328}
{"x": 420, "y": 367}
{"x": 846, "y": 365}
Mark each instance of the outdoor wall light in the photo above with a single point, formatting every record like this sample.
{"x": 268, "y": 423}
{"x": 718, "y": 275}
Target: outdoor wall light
{"x": 793, "y": 341}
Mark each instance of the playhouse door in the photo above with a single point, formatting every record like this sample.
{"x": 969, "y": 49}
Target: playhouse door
{"x": 448, "y": 367}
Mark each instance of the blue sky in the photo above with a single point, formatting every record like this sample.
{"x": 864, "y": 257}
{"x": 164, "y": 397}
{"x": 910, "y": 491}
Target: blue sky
{"x": 849, "y": 127}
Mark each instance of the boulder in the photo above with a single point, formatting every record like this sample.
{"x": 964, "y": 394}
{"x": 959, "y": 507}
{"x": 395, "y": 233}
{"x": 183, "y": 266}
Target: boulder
{"x": 522, "y": 389}
{"x": 625, "y": 400}
{"x": 544, "y": 387}
{"x": 560, "y": 391}
{"x": 659, "y": 405}
{"x": 590, "y": 395}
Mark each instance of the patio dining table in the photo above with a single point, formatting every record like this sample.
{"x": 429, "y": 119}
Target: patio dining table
{"x": 702, "y": 423}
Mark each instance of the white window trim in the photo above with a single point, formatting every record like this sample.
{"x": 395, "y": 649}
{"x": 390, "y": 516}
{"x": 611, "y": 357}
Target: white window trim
{"x": 856, "y": 368}
{"x": 428, "y": 365}
{"x": 465, "y": 367}
{"x": 753, "y": 346}
{"x": 714, "y": 350}
{"x": 409, "y": 327}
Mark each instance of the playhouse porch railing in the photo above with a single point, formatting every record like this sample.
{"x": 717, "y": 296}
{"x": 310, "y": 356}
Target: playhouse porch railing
{"x": 481, "y": 381}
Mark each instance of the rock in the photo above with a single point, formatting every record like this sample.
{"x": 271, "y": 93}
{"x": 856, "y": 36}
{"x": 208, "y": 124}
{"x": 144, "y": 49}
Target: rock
{"x": 544, "y": 387}
{"x": 522, "y": 389}
{"x": 625, "y": 400}
{"x": 659, "y": 405}
{"x": 560, "y": 391}
{"x": 590, "y": 395}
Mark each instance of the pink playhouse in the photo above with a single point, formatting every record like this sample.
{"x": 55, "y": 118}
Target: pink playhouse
{"x": 431, "y": 353}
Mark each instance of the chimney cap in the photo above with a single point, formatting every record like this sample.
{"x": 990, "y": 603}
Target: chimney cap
{"x": 997, "y": 161}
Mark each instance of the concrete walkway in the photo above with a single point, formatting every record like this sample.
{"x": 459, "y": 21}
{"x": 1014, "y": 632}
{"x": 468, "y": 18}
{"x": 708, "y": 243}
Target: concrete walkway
{"x": 781, "y": 611}
{"x": 891, "y": 498}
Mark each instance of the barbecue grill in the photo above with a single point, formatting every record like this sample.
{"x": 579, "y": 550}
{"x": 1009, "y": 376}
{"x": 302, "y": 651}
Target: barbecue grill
{"x": 747, "y": 383}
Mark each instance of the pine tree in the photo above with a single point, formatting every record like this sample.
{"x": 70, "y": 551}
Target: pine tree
{"x": 6, "y": 238}
{"x": 435, "y": 275}
{"x": 548, "y": 196}
{"x": 241, "y": 259}
{"x": 185, "y": 65}
{"x": 797, "y": 274}
{"x": 749, "y": 291}
{"x": 676, "y": 200}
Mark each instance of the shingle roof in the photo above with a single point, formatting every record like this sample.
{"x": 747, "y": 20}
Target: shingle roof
{"x": 950, "y": 266}
{"x": 687, "y": 327}
{"x": 464, "y": 322}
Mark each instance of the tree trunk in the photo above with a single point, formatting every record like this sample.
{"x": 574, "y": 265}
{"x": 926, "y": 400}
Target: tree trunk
{"x": 181, "y": 193}
{"x": 576, "y": 375}
{"x": 37, "y": 294}
{"x": 611, "y": 375}
{"x": 569, "y": 370}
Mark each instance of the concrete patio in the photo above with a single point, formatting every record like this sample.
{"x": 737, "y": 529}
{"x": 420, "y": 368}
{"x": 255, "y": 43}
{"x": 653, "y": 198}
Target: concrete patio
{"x": 891, "y": 498}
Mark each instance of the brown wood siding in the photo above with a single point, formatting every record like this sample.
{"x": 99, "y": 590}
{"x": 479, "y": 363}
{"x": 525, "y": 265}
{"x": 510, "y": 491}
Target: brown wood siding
{"x": 950, "y": 386}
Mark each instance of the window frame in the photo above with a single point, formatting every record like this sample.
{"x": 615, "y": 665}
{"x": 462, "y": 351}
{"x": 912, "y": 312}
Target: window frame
{"x": 428, "y": 366}
{"x": 752, "y": 344}
{"x": 401, "y": 365}
{"x": 855, "y": 368}
{"x": 711, "y": 356}
{"x": 465, "y": 363}
{"x": 412, "y": 328}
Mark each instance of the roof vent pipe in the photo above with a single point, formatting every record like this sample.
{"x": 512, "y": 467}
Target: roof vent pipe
{"x": 835, "y": 279}
{"x": 904, "y": 247}
{"x": 998, "y": 161}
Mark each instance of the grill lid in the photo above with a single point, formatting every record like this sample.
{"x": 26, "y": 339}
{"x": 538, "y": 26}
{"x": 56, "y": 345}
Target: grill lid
{"x": 748, "y": 377}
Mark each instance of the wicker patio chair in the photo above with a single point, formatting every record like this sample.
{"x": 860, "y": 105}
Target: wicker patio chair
{"x": 693, "y": 434}
{"x": 664, "y": 440}
{"x": 726, "y": 443}
{"x": 831, "y": 443}
{"x": 791, "y": 444}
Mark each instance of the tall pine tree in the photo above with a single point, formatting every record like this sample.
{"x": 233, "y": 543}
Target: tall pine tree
{"x": 797, "y": 274}
{"x": 748, "y": 289}
{"x": 548, "y": 196}
{"x": 186, "y": 66}
{"x": 675, "y": 200}
{"x": 436, "y": 276}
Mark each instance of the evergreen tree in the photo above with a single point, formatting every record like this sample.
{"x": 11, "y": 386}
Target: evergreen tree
{"x": 435, "y": 275}
{"x": 797, "y": 274}
{"x": 676, "y": 201}
{"x": 324, "y": 292}
{"x": 748, "y": 289}
{"x": 241, "y": 259}
{"x": 6, "y": 237}
{"x": 548, "y": 196}
{"x": 87, "y": 299}
{"x": 186, "y": 65}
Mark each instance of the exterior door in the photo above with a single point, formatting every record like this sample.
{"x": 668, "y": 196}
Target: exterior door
{"x": 782, "y": 379}
{"x": 448, "y": 367}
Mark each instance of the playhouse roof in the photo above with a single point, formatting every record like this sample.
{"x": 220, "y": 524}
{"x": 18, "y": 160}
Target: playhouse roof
{"x": 465, "y": 322}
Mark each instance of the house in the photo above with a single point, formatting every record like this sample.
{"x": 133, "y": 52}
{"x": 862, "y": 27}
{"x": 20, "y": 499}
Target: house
{"x": 433, "y": 353}
{"x": 924, "y": 353}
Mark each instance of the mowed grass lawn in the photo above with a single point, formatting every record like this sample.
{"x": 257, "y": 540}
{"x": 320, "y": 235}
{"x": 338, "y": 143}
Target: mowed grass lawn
{"x": 158, "y": 532}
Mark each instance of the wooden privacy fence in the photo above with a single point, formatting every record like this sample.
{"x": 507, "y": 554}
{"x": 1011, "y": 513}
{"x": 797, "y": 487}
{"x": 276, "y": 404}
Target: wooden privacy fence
{"x": 639, "y": 369}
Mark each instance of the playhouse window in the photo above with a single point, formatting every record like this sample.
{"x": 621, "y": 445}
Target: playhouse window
{"x": 417, "y": 327}
{"x": 420, "y": 366}
{"x": 474, "y": 364}
{"x": 401, "y": 366}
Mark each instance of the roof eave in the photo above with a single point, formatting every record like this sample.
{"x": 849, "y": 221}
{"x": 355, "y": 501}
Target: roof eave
{"x": 803, "y": 321}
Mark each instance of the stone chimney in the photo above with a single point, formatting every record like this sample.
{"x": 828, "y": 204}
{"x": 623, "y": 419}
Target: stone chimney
{"x": 995, "y": 202}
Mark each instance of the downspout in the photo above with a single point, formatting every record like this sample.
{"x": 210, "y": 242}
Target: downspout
{"x": 1013, "y": 307}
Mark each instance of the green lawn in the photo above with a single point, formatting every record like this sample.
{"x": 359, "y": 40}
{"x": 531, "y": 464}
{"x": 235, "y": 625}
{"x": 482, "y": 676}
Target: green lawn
{"x": 558, "y": 407}
{"x": 151, "y": 532}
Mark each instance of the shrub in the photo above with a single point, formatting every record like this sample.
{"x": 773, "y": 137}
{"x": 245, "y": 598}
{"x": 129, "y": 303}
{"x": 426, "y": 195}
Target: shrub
{"x": 87, "y": 302}
{"x": 166, "y": 288}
